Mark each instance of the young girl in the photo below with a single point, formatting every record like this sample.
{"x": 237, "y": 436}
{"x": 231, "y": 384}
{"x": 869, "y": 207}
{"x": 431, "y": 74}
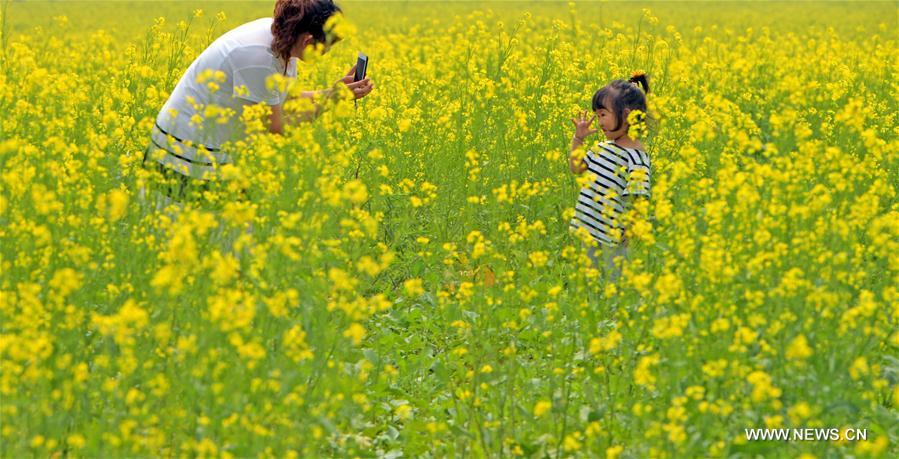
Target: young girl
{"x": 619, "y": 166}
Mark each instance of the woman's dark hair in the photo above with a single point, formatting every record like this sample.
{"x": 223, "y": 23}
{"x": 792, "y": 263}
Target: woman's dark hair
{"x": 622, "y": 95}
{"x": 294, "y": 17}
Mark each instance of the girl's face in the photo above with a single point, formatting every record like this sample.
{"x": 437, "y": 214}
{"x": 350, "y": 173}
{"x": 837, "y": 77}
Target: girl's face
{"x": 607, "y": 121}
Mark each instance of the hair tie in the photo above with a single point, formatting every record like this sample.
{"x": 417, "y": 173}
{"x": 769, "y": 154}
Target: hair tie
{"x": 638, "y": 79}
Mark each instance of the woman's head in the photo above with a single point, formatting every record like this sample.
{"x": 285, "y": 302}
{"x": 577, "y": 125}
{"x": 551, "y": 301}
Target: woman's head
{"x": 300, "y": 23}
{"x": 616, "y": 100}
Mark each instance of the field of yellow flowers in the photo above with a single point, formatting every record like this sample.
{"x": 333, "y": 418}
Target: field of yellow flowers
{"x": 403, "y": 282}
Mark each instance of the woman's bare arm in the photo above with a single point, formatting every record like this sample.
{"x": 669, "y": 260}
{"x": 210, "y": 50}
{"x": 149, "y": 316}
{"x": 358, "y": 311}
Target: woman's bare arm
{"x": 276, "y": 120}
{"x": 319, "y": 100}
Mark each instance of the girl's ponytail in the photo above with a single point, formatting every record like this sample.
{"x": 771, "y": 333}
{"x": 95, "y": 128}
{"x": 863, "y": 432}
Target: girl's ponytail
{"x": 621, "y": 95}
{"x": 640, "y": 78}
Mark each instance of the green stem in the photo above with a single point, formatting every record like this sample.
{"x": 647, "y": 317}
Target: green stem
{"x": 4, "y": 32}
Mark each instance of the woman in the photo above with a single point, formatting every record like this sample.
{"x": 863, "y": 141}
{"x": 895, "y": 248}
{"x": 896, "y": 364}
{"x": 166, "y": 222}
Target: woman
{"x": 203, "y": 111}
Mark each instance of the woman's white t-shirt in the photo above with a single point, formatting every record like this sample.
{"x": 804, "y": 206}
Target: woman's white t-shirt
{"x": 205, "y": 115}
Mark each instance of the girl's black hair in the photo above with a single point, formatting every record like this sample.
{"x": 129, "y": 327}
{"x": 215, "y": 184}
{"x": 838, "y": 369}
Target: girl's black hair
{"x": 623, "y": 94}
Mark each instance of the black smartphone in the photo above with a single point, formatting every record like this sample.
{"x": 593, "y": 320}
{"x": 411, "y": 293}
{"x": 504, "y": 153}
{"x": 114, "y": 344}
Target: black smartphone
{"x": 361, "y": 67}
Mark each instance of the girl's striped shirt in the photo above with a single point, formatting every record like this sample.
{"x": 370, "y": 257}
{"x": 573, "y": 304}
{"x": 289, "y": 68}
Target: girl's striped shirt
{"x": 616, "y": 172}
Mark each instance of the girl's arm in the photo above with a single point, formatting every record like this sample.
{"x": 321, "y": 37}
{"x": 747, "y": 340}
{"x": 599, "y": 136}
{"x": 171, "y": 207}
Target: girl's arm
{"x": 628, "y": 207}
{"x": 581, "y": 130}
{"x": 576, "y": 162}
{"x": 630, "y": 203}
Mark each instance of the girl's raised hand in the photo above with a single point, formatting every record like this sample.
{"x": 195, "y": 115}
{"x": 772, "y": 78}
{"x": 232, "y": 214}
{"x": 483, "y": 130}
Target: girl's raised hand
{"x": 582, "y": 125}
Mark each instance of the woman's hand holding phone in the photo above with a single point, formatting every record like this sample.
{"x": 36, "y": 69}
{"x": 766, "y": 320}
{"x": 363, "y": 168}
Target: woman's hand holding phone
{"x": 359, "y": 88}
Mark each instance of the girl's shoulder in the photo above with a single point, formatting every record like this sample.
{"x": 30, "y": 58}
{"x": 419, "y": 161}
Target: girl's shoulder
{"x": 610, "y": 145}
{"x": 607, "y": 148}
{"x": 637, "y": 147}
{"x": 637, "y": 155}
